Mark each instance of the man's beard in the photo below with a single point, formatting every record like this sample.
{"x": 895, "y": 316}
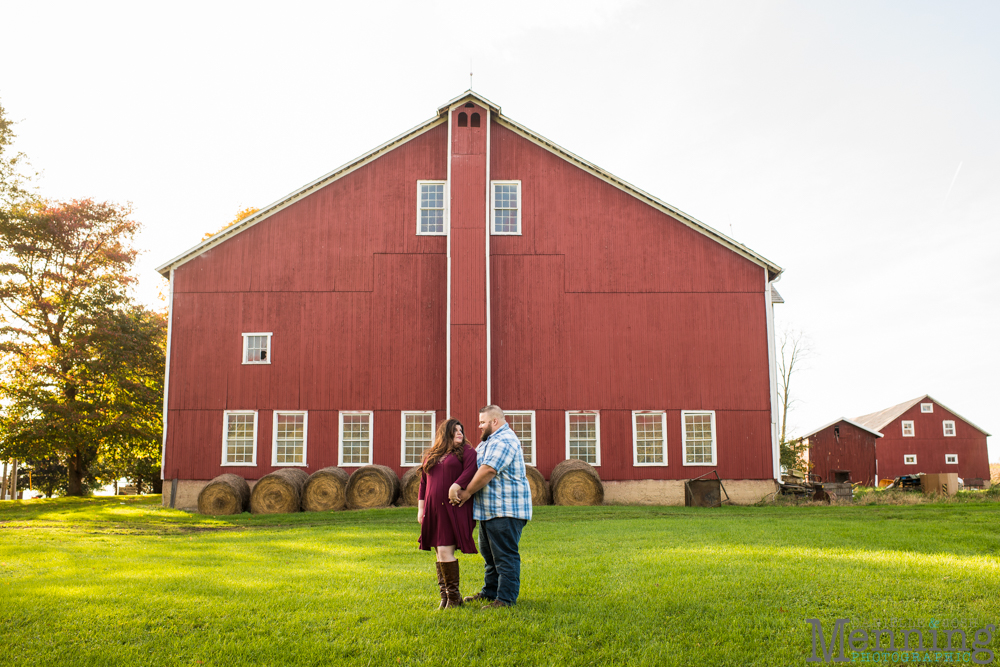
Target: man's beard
{"x": 487, "y": 432}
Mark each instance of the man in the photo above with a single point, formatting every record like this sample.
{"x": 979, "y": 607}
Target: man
{"x": 502, "y": 505}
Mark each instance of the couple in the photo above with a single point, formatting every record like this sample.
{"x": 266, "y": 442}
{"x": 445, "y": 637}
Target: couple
{"x": 493, "y": 476}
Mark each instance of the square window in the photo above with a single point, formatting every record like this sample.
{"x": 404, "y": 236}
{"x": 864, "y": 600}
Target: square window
{"x": 289, "y": 439}
{"x": 523, "y": 425}
{"x": 699, "y": 437}
{"x": 649, "y": 438}
{"x": 256, "y": 348}
{"x": 355, "y": 439}
{"x": 910, "y": 459}
{"x": 239, "y": 438}
{"x": 951, "y": 459}
{"x": 926, "y": 407}
{"x": 949, "y": 428}
{"x": 418, "y": 436}
{"x": 432, "y": 210}
{"x": 506, "y": 208}
{"x": 908, "y": 431}
{"x": 583, "y": 437}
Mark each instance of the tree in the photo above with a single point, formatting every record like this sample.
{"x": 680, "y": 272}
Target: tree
{"x": 82, "y": 364}
{"x": 242, "y": 214}
{"x": 12, "y": 181}
{"x": 793, "y": 350}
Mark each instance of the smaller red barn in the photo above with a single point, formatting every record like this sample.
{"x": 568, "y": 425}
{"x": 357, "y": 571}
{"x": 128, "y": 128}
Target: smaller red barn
{"x": 922, "y": 435}
{"x": 843, "y": 451}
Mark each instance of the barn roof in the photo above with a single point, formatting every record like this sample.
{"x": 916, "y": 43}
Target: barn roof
{"x": 837, "y": 421}
{"x": 882, "y": 418}
{"x": 773, "y": 269}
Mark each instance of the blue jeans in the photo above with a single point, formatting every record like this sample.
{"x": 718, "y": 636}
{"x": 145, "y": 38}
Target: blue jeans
{"x": 498, "y": 542}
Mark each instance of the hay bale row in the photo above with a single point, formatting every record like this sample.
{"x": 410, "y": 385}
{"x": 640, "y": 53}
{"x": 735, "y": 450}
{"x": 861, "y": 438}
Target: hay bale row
{"x": 575, "y": 482}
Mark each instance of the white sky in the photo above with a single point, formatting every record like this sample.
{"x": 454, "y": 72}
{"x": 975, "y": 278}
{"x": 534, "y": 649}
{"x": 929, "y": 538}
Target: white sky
{"x": 856, "y": 144}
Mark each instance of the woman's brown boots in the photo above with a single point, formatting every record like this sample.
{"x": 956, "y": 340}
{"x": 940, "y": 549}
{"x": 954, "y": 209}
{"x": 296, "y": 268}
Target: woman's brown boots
{"x": 448, "y": 583}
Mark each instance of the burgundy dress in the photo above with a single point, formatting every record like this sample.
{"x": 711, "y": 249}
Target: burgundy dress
{"x": 444, "y": 524}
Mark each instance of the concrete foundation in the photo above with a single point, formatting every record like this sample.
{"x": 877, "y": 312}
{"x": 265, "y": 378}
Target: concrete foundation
{"x": 671, "y": 491}
{"x": 187, "y": 492}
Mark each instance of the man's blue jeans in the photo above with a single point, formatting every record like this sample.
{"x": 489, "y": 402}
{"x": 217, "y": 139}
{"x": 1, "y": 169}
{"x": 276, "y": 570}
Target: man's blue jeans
{"x": 498, "y": 542}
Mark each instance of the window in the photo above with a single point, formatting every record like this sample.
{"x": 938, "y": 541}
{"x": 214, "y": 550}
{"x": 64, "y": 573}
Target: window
{"x": 431, "y": 208}
{"x": 910, "y": 459}
{"x": 289, "y": 439}
{"x": 239, "y": 438}
{"x": 506, "y": 207}
{"x": 949, "y": 428}
{"x": 908, "y": 429}
{"x": 523, "y": 425}
{"x": 475, "y": 120}
{"x": 256, "y": 348}
{"x": 951, "y": 459}
{"x": 463, "y": 119}
{"x": 355, "y": 439}
{"x": 927, "y": 407}
{"x": 649, "y": 438}
{"x": 418, "y": 436}
{"x": 583, "y": 437}
{"x": 699, "y": 437}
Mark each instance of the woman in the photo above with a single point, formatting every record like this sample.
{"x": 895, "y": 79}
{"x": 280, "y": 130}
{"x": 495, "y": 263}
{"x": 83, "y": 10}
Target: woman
{"x": 444, "y": 527}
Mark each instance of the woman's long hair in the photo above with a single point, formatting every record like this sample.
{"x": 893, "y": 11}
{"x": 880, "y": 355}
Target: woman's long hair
{"x": 444, "y": 444}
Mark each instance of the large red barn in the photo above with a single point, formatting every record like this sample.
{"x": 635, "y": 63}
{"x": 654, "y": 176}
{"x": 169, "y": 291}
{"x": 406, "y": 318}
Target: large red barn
{"x": 471, "y": 261}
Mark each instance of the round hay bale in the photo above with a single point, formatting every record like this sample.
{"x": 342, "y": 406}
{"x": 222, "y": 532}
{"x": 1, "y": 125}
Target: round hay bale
{"x": 279, "y": 492}
{"x": 409, "y": 487}
{"x": 372, "y": 486}
{"x": 575, "y": 482}
{"x": 226, "y": 494}
{"x": 539, "y": 487}
{"x": 325, "y": 490}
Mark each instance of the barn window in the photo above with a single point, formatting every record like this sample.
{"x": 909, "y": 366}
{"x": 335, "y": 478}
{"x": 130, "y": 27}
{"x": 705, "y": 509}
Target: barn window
{"x": 910, "y": 459}
{"x": 239, "y": 438}
{"x": 927, "y": 407}
{"x": 431, "y": 208}
{"x": 583, "y": 437}
{"x": 463, "y": 119}
{"x": 355, "y": 439}
{"x": 475, "y": 120}
{"x": 699, "y": 437}
{"x": 289, "y": 439}
{"x": 256, "y": 348}
{"x": 523, "y": 425}
{"x": 908, "y": 431}
{"x": 951, "y": 459}
{"x": 506, "y": 207}
{"x": 649, "y": 438}
{"x": 418, "y": 436}
{"x": 949, "y": 428}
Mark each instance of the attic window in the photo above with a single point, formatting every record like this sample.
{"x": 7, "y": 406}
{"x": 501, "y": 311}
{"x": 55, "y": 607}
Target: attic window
{"x": 463, "y": 119}
{"x": 949, "y": 428}
{"x": 908, "y": 428}
{"x": 256, "y": 348}
{"x": 927, "y": 407}
{"x": 836, "y": 432}
{"x": 470, "y": 105}
{"x": 475, "y": 120}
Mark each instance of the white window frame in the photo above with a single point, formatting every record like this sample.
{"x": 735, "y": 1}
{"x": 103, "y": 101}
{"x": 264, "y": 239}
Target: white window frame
{"x": 493, "y": 208}
{"x": 340, "y": 438}
{"x": 926, "y": 407}
{"x": 225, "y": 438}
{"x": 715, "y": 456}
{"x": 597, "y": 426}
{"x": 944, "y": 428}
{"x": 270, "y": 348}
{"x": 534, "y": 441}
{"x": 447, "y": 208}
{"x": 953, "y": 461}
{"x": 907, "y": 461}
{"x": 402, "y": 435}
{"x": 635, "y": 437}
{"x": 913, "y": 430}
{"x": 274, "y": 438}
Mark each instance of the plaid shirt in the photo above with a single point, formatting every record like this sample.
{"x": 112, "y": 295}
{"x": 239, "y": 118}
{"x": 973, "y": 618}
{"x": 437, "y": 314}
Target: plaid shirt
{"x": 508, "y": 493}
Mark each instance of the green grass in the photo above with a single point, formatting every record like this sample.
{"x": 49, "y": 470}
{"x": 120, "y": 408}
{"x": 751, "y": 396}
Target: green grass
{"x": 127, "y": 582}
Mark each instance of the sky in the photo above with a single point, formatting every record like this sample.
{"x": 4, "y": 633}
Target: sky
{"x": 855, "y": 144}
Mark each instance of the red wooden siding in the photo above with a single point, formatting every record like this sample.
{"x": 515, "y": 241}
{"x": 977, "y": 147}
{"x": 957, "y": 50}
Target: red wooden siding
{"x": 846, "y": 448}
{"x": 930, "y": 446}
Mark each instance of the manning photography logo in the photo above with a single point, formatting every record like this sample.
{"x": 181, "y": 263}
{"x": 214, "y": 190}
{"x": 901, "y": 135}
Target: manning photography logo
{"x": 903, "y": 641}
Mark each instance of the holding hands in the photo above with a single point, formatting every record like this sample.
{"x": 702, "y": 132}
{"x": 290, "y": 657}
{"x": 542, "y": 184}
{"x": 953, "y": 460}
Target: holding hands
{"x": 457, "y": 495}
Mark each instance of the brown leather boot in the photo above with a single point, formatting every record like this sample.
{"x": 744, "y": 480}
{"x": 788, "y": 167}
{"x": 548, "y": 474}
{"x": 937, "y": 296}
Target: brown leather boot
{"x": 441, "y": 585}
{"x": 450, "y": 571}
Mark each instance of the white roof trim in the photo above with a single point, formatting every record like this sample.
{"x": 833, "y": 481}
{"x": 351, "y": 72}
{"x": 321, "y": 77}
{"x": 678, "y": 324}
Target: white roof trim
{"x": 539, "y": 140}
{"x": 837, "y": 421}
{"x": 955, "y": 413}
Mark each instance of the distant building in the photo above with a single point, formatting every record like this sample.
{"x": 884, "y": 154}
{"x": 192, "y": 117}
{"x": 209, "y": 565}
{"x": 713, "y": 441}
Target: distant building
{"x": 843, "y": 451}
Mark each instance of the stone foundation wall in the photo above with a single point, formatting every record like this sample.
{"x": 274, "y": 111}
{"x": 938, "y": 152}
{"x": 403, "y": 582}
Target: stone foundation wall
{"x": 187, "y": 492}
{"x": 671, "y": 491}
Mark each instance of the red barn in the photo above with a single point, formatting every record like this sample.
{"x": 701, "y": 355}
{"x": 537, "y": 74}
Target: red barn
{"x": 843, "y": 451}
{"x": 923, "y": 435}
{"x": 471, "y": 261}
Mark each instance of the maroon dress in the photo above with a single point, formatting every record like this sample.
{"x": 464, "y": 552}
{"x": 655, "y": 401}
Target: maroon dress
{"x": 444, "y": 524}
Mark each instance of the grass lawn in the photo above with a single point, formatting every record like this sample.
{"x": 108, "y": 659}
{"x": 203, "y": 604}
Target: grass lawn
{"x": 126, "y": 582}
